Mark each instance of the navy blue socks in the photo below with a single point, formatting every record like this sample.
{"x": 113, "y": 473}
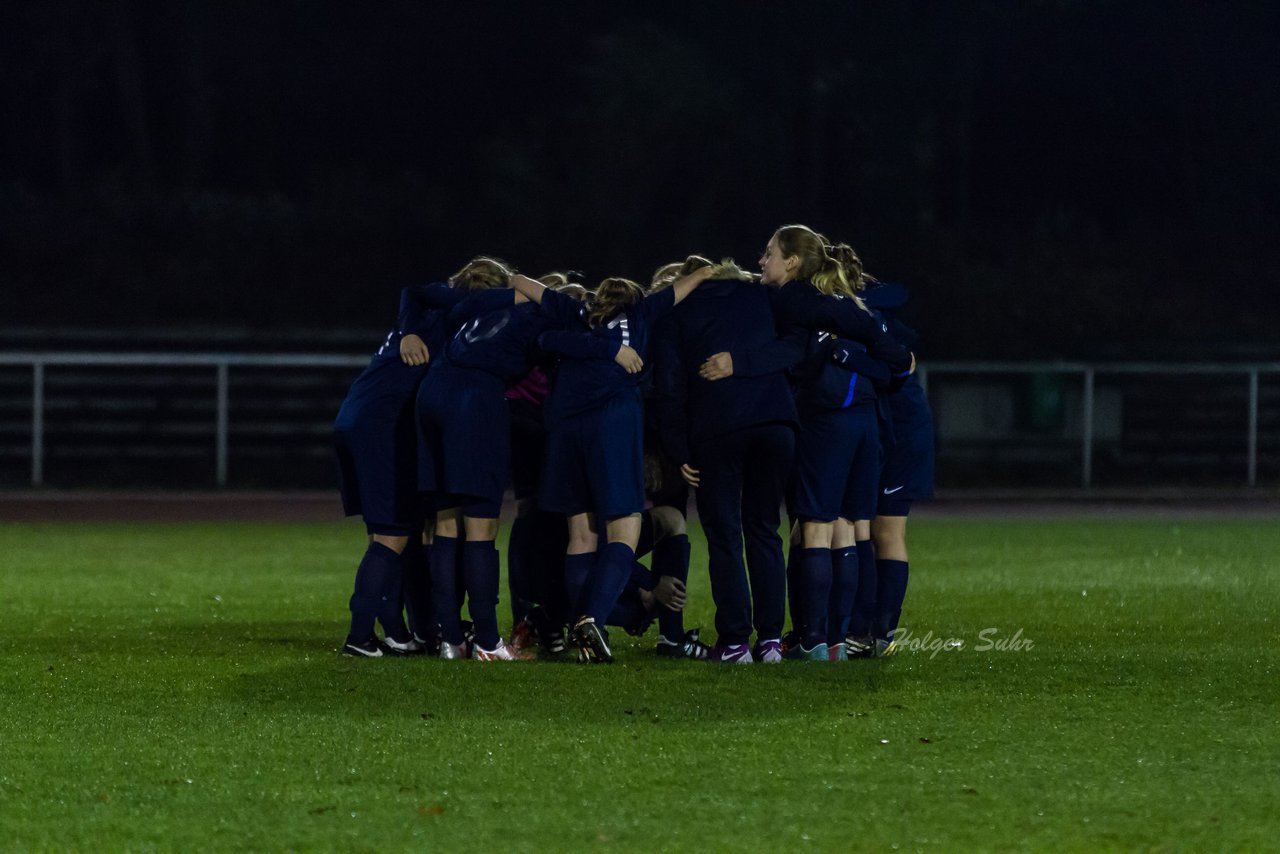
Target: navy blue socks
{"x": 613, "y": 570}
{"x": 815, "y": 579}
{"x": 480, "y": 567}
{"x": 416, "y": 567}
{"x": 377, "y": 594}
{"x": 445, "y": 588}
{"x": 892, "y": 579}
{"x": 864, "y": 604}
{"x": 520, "y": 566}
{"x": 844, "y": 589}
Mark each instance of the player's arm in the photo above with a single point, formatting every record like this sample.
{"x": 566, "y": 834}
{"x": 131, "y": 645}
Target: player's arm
{"x": 531, "y": 289}
{"x": 685, "y": 285}
{"x": 853, "y": 357}
{"x": 584, "y": 345}
{"x": 780, "y": 354}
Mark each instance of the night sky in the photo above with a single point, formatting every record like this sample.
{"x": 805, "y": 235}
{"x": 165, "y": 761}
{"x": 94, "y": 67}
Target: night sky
{"x": 1050, "y": 178}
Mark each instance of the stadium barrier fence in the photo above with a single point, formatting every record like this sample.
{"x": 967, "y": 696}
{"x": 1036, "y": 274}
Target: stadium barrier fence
{"x": 1031, "y": 420}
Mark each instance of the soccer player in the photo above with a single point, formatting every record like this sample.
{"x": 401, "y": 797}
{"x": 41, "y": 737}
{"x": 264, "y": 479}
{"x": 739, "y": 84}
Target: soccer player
{"x": 464, "y": 420}
{"x": 595, "y": 462}
{"x": 906, "y": 477}
{"x": 837, "y": 447}
{"x": 734, "y": 441}
{"x": 376, "y": 447}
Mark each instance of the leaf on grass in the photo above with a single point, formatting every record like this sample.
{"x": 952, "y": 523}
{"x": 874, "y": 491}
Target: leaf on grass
{"x": 103, "y": 797}
{"x": 970, "y": 791}
{"x": 430, "y": 809}
{"x": 924, "y": 740}
{"x": 322, "y": 810}
{"x": 426, "y": 716}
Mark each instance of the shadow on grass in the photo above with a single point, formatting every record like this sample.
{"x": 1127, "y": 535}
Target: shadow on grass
{"x": 641, "y": 689}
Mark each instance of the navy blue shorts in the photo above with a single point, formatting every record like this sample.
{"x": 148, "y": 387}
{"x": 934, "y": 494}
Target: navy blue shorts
{"x": 376, "y": 453}
{"x": 908, "y": 454}
{"x": 595, "y": 461}
{"x": 837, "y": 466}
{"x": 465, "y": 426}
{"x": 890, "y": 505}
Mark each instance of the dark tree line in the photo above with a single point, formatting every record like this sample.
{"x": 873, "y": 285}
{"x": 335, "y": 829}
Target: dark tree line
{"x": 1052, "y": 178}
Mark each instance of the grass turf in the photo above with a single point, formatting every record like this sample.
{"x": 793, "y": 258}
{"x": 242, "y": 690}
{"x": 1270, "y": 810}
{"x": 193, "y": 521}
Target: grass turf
{"x": 177, "y": 685}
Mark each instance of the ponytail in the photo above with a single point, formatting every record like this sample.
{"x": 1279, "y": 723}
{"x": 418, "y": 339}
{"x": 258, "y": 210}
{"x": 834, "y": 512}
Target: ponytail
{"x": 848, "y": 259}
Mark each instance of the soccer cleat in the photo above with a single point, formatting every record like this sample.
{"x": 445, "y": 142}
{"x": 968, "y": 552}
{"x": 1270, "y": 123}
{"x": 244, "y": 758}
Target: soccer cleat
{"x": 863, "y": 647}
{"x": 429, "y": 646}
{"x": 453, "y": 652}
{"x": 795, "y": 653}
{"x": 523, "y": 636}
{"x": 885, "y": 647}
{"x": 836, "y": 652}
{"x": 768, "y": 651}
{"x": 818, "y": 653}
{"x": 734, "y": 653}
{"x": 501, "y": 653}
{"x": 549, "y": 635}
{"x": 370, "y": 647}
{"x": 592, "y": 641}
{"x": 552, "y": 642}
{"x": 790, "y": 641}
{"x": 689, "y": 647}
{"x": 404, "y": 647}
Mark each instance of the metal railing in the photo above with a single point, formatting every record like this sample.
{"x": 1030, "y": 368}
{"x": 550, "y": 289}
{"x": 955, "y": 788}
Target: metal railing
{"x": 222, "y": 364}
{"x": 1089, "y": 372}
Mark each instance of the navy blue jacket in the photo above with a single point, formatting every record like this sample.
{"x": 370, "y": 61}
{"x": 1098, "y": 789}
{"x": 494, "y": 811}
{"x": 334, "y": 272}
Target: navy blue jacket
{"x": 586, "y": 384}
{"x": 819, "y": 383}
{"x": 721, "y": 315}
{"x": 501, "y": 342}
{"x": 907, "y": 405}
{"x": 388, "y": 385}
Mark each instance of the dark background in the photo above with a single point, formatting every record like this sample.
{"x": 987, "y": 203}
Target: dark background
{"x": 1083, "y": 179}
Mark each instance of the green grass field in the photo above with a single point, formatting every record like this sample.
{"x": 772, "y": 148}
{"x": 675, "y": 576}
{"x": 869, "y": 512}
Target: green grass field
{"x": 176, "y": 686}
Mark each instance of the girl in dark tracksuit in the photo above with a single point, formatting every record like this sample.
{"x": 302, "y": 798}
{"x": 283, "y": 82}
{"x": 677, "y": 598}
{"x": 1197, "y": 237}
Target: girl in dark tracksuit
{"x": 376, "y": 447}
{"x": 465, "y": 425}
{"x": 734, "y": 440}
{"x": 594, "y": 462}
{"x": 837, "y": 455}
{"x": 907, "y": 476}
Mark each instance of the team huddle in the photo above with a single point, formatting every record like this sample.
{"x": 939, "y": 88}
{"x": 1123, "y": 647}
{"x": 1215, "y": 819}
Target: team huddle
{"x": 601, "y": 410}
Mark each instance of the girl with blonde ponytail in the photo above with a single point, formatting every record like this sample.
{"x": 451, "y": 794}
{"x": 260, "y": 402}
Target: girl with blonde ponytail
{"x": 837, "y": 445}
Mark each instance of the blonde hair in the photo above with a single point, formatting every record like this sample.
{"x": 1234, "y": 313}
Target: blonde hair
{"x": 611, "y": 296}
{"x": 575, "y": 291}
{"x": 555, "y": 281}
{"x": 828, "y": 274}
{"x": 729, "y": 269}
{"x": 853, "y": 271}
{"x": 664, "y": 276}
{"x": 482, "y": 273}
